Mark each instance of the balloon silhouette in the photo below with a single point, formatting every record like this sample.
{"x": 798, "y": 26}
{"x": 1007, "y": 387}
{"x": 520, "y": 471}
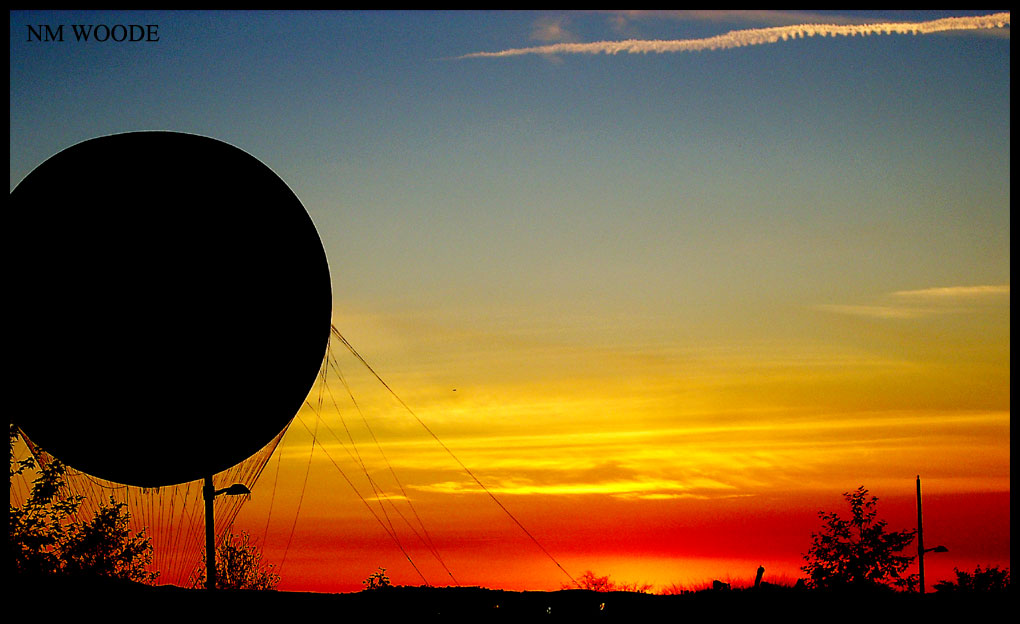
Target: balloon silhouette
{"x": 173, "y": 302}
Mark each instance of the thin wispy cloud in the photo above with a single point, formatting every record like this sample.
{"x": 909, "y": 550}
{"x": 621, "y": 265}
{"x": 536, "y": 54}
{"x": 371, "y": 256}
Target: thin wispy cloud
{"x": 878, "y": 311}
{"x": 903, "y": 304}
{"x": 758, "y": 36}
{"x": 956, "y": 292}
{"x": 645, "y": 488}
{"x": 552, "y": 28}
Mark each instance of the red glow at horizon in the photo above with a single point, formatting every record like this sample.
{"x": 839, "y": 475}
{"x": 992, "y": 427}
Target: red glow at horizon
{"x": 723, "y": 540}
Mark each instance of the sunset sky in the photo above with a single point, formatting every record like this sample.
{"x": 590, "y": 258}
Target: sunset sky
{"x": 666, "y": 303}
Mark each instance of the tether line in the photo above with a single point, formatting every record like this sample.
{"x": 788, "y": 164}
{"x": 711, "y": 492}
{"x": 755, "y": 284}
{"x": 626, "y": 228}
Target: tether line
{"x": 467, "y": 470}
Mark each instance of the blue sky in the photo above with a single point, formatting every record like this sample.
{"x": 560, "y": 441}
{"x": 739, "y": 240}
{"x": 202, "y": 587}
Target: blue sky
{"x": 596, "y": 171}
{"x": 712, "y": 232}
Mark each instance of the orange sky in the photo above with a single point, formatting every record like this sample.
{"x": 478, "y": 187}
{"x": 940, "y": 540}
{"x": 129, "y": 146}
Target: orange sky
{"x": 654, "y": 465}
{"x": 651, "y": 463}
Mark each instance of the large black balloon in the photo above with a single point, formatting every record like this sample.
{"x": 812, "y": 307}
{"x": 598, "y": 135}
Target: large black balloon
{"x": 171, "y": 303}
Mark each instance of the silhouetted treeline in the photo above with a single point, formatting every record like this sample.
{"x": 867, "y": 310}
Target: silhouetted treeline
{"x": 35, "y": 596}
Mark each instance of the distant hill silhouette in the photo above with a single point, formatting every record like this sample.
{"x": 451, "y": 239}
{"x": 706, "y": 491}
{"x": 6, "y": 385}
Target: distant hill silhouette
{"x": 57, "y": 596}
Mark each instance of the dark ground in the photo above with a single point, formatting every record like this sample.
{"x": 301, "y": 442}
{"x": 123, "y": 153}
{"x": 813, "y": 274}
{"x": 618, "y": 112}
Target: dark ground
{"x": 53, "y": 598}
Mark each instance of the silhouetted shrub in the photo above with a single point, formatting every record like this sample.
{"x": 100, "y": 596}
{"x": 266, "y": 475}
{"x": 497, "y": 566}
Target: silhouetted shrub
{"x": 45, "y": 538}
{"x": 988, "y": 580}
{"x": 589, "y": 581}
{"x": 377, "y": 580}
{"x": 239, "y": 565}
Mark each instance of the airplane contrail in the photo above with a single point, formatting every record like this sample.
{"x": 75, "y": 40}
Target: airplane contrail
{"x": 758, "y": 36}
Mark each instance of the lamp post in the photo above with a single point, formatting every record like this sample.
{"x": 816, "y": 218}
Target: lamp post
{"x": 920, "y": 540}
{"x": 210, "y": 493}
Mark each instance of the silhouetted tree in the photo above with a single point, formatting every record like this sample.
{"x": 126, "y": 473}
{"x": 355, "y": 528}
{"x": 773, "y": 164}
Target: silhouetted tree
{"x": 989, "y": 580}
{"x": 588, "y": 580}
{"x": 377, "y": 580}
{"x": 45, "y": 538}
{"x": 857, "y": 552}
{"x": 239, "y": 565}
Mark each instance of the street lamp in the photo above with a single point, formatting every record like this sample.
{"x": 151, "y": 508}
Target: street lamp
{"x": 238, "y": 489}
{"x": 210, "y": 493}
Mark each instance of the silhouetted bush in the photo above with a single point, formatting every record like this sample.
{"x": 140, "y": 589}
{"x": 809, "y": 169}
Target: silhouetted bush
{"x": 377, "y": 580}
{"x": 45, "y": 538}
{"x": 589, "y": 581}
{"x": 239, "y": 565}
{"x": 988, "y": 580}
